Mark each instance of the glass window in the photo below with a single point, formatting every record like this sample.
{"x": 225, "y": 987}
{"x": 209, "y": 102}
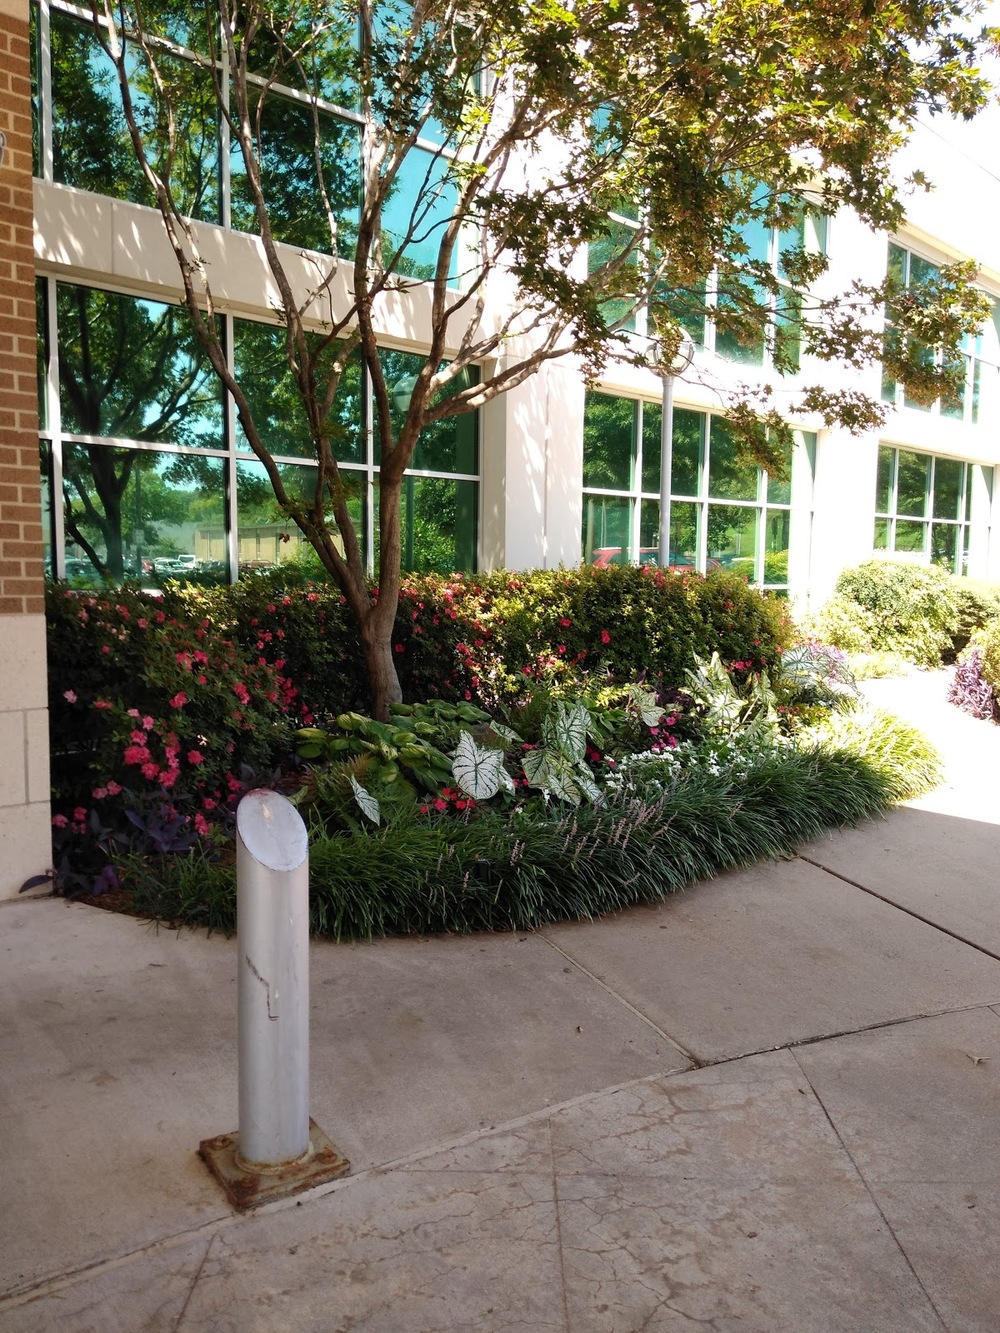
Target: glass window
{"x": 329, "y": 70}
{"x": 732, "y": 537}
{"x": 883, "y": 483}
{"x": 90, "y": 140}
{"x": 603, "y": 250}
{"x": 910, "y": 536}
{"x": 777, "y": 527}
{"x": 141, "y": 514}
{"x": 437, "y": 524}
{"x": 689, "y": 432}
{"x": 420, "y": 204}
{"x": 444, "y": 446}
{"x": 607, "y": 529}
{"x": 134, "y": 369}
{"x": 911, "y": 485}
{"x": 263, "y": 372}
{"x": 728, "y": 478}
{"x": 266, "y": 535}
{"x": 652, "y": 429}
{"x": 882, "y": 535}
{"x": 684, "y": 535}
{"x": 287, "y": 153}
{"x": 949, "y": 487}
{"x": 608, "y": 441}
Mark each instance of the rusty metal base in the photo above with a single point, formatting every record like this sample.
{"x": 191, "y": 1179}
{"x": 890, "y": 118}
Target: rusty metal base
{"x": 248, "y": 1189}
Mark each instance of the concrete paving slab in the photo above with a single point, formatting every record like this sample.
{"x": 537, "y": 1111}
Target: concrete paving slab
{"x": 147, "y": 1291}
{"x": 910, "y": 859}
{"x": 438, "y": 1252}
{"x": 717, "y": 1198}
{"x": 776, "y": 954}
{"x": 917, "y": 1101}
{"x": 951, "y": 1236}
{"x": 118, "y": 1057}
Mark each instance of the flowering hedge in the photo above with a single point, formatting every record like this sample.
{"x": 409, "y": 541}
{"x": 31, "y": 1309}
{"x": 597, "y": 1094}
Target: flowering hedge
{"x": 161, "y": 707}
{"x": 161, "y": 701}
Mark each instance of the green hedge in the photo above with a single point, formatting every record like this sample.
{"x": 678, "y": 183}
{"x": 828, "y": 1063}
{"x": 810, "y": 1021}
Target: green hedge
{"x": 481, "y": 637}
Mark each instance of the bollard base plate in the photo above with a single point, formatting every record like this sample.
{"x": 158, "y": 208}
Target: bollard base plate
{"x": 247, "y": 1189}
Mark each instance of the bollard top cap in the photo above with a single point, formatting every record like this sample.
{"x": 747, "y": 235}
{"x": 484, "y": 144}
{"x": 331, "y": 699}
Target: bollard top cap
{"x": 272, "y": 830}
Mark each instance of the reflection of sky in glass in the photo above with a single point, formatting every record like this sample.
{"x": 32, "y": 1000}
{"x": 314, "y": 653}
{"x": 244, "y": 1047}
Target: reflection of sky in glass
{"x": 421, "y": 200}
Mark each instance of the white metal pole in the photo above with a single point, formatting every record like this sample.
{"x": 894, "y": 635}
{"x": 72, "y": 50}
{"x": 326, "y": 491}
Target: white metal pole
{"x": 272, "y": 922}
{"x": 666, "y": 466}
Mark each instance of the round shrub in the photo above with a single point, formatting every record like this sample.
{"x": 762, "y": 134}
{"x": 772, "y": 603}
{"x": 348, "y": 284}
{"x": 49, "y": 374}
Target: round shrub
{"x": 988, "y": 643}
{"x": 908, "y": 608}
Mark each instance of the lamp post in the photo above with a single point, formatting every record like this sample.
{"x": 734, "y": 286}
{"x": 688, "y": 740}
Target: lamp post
{"x": 668, "y": 371}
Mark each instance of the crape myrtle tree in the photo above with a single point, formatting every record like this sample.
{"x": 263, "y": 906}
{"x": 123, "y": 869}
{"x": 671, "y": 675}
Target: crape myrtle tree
{"x": 697, "y": 122}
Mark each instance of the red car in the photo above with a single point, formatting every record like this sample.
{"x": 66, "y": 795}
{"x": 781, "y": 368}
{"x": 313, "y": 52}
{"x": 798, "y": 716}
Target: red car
{"x": 648, "y": 555}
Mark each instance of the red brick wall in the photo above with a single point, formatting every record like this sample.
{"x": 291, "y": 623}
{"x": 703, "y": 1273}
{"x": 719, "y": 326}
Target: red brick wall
{"x": 21, "y": 588}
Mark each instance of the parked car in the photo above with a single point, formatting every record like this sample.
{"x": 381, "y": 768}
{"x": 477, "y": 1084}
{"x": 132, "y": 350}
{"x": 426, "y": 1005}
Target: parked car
{"x": 648, "y": 555}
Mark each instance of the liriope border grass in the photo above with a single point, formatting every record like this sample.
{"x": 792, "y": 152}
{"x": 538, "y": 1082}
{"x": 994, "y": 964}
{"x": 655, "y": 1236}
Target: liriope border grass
{"x": 499, "y": 871}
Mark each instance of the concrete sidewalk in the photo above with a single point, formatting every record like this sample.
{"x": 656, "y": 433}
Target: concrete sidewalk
{"x": 769, "y": 1104}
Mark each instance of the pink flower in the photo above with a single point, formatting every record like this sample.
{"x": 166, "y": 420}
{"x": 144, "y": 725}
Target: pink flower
{"x": 142, "y": 622}
{"x": 565, "y": 623}
{"x": 147, "y": 723}
{"x": 208, "y": 803}
{"x": 179, "y": 700}
{"x": 59, "y": 821}
{"x": 80, "y": 814}
{"x": 136, "y": 754}
{"x": 105, "y": 649}
{"x": 99, "y": 793}
{"x": 233, "y": 783}
{"x": 195, "y": 757}
{"x": 241, "y": 692}
{"x": 113, "y": 789}
{"x": 138, "y": 737}
{"x": 70, "y": 697}
{"x": 201, "y": 824}
{"x": 102, "y": 703}
{"x": 150, "y": 771}
{"x": 132, "y": 712}
{"x": 605, "y": 636}
{"x": 440, "y": 805}
{"x": 168, "y": 779}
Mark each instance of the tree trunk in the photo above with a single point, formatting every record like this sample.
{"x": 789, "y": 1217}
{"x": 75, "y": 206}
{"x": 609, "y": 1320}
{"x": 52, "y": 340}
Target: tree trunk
{"x": 376, "y": 643}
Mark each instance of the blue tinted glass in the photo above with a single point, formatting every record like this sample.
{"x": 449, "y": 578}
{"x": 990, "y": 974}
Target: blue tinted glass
{"x": 420, "y": 203}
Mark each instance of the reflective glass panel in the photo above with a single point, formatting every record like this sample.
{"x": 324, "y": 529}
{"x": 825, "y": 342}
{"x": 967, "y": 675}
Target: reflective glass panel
{"x": 779, "y": 489}
{"x": 420, "y": 204}
{"x": 140, "y": 514}
{"x": 286, "y": 150}
{"x": 42, "y": 350}
{"x": 911, "y": 483}
{"x": 944, "y": 545}
{"x": 91, "y": 144}
{"x": 880, "y": 541}
{"x": 777, "y": 525}
{"x": 683, "y": 536}
{"x": 444, "y": 446}
{"x": 603, "y": 250}
{"x": 910, "y": 535}
{"x": 728, "y": 478}
{"x": 883, "y": 480}
{"x": 689, "y": 432}
{"x": 732, "y": 536}
{"x": 437, "y": 524}
{"x": 788, "y": 331}
{"x": 304, "y": 56}
{"x": 607, "y": 530}
{"x": 267, "y": 536}
{"x": 608, "y": 441}
{"x": 276, "y": 405}
{"x": 652, "y": 422}
{"x": 949, "y": 487}
{"x": 133, "y": 369}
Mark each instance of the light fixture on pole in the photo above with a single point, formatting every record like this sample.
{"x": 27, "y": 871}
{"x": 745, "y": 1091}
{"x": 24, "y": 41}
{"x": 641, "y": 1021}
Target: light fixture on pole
{"x": 668, "y": 371}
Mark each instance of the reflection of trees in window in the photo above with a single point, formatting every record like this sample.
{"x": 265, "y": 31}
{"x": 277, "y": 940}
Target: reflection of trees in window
{"x": 287, "y": 149}
{"x": 128, "y": 369}
{"x": 90, "y": 141}
{"x": 608, "y": 441}
{"x": 262, "y": 368}
{"x": 120, "y": 504}
{"x": 444, "y": 446}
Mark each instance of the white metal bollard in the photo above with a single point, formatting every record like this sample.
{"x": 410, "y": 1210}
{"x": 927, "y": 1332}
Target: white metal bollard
{"x": 272, "y": 930}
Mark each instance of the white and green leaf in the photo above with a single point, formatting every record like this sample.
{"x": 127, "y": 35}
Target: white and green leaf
{"x": 367, "y": 803}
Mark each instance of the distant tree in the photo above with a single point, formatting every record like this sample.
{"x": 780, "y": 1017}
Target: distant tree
{"x": 699, "y": 123}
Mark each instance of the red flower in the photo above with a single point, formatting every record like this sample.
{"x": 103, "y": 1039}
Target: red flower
{"x": 605, "y": 636}
{"x": 179, "y": 700}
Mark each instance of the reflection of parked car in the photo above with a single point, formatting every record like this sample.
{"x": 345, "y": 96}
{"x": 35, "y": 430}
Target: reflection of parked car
{"x": 648, "y": 555}
{"x": 79, "y": 569}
